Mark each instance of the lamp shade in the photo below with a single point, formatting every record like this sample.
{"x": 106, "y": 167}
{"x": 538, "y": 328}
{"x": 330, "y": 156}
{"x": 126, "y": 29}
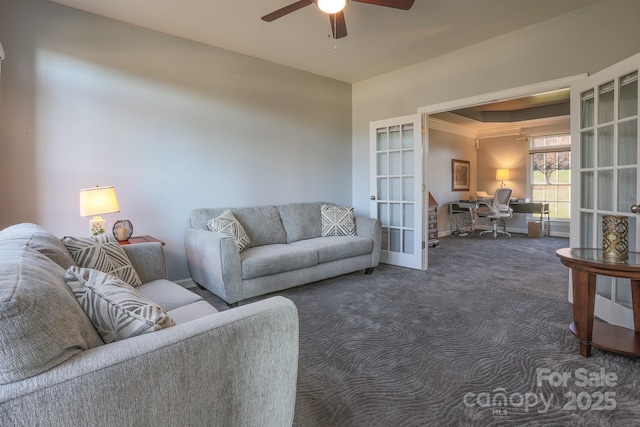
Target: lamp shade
{"x": 98, "y": 201}
{"x": 331, "y": 6}
{"x": 502, "y": 174}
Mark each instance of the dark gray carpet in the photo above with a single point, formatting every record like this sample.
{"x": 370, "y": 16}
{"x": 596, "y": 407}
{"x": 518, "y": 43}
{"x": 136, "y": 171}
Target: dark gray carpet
{"x": 443, "y": 347}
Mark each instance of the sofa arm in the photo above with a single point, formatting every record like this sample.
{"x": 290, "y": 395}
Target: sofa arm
{"x": 233, "y": 368}
{"x": 372, "y": 228}
{"x": 214, "y": 262}
{"x": 148, "y": 260}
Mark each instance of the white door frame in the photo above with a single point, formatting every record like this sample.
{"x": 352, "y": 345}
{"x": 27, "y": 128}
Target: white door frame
{"x": 516, "y": 92}
{"x": 501, "y": 95}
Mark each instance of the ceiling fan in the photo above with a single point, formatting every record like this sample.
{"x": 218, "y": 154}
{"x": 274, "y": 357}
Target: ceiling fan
{"x": 335, "y": 10}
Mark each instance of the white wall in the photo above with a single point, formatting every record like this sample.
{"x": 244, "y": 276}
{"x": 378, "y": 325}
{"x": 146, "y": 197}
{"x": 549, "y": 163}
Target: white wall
{"x": 586, "y": 40}
{"x": 503, "y": 152}
{"x": 173, "y": 125}
{"x": 444, "y": 146}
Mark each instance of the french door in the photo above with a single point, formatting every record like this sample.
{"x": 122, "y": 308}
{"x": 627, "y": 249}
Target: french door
{"x": 605, "y": 156}
{"x": 397, "y": 188}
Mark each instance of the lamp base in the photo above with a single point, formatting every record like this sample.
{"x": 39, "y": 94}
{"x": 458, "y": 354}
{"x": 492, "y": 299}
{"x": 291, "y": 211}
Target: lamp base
{"x": 97, "y": 226}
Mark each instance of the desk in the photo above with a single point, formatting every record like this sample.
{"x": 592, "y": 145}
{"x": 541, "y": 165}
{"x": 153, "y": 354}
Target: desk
{"x": 471, "y": 206}
{"x": 464, "y": 207}
{"x": 585, "y": 264}
{"x": 541, "y": 209}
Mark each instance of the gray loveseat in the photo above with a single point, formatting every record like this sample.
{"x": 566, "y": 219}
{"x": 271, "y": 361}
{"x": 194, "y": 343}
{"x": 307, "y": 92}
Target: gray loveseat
{"x": 286, "y": 250}
{"x": 232, "y": 368}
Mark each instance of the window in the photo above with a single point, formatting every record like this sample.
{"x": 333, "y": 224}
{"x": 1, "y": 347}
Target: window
{"x": 550, "y": 168}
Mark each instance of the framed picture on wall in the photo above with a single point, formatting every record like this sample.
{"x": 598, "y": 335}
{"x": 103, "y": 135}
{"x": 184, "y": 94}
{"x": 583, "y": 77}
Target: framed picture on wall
{"x": 460, "y": 175}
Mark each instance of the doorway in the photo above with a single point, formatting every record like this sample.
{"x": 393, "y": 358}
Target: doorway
{"x": 435, "y": 114}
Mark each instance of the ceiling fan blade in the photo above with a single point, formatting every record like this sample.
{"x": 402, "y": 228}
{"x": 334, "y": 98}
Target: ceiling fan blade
{"x": 338, "y": 25}
{"x": 286, "y": 10}
{"x": 396, "y": 4}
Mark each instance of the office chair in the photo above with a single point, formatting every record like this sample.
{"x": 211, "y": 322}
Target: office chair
{"x": 498, "y": 209}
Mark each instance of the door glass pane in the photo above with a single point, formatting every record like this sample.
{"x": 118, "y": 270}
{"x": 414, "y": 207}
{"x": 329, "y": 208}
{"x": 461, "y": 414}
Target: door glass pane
{"x": 632, "y": 232}
{"x": 395, "y": 163}
{"x": 407, "y": 136}
{"x": 407, "y": 189}
{"x": 395, "y": 189}
{"x": 394, "y": 137}
{"x": 407, "y": 162}
{"x": 603, "y": 286}
{"x": 598, "y": 234}
{"x": 407, "y": 208}
{"x": 381, "y": 139}
{"x": 587, "y": 110}
{"x": 605, "y": 103}
{"x": 407, "y": 246}
{"x": 623, "y": 292}
{"x": 586, "y": 232}
{"x": 383, "y": 213}
{"x": 628, "y": 104}
{"x": 587, "y": 149}
{"x": 383, "y": 190}
{"x": 395, "y": 245}
{"x": 384, "y": 239}
{"x": 383, "y": 164}
{"x": 627, "y": 187}
{"x": 586, "y": 199}
{"x": 605, "y": 146}
{"x": 605, "y": 190}
{"x": 628, "y": 143}
{"x": 394, "y": 213}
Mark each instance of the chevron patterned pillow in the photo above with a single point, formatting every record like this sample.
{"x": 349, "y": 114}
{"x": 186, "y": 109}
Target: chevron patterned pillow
{"x": 116, "y": 309}
{"x": 102, "y": 253}
{"x": 337, "y": 221}
{"x": 228, "y": 224}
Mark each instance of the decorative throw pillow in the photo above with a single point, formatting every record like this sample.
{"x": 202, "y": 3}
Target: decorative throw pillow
{"x": 337, "y": 221}
{"x": 102, "y": 253}
{"x": 116, "y": 309}
{"x": 228, "y": 224}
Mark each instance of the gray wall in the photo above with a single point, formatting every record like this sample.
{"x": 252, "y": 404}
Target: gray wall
{"x": 584, "y": 41}
{"x": 173, "y": 125}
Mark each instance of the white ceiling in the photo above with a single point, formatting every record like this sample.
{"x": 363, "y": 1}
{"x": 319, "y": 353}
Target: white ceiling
{"x": 379, "y": 39}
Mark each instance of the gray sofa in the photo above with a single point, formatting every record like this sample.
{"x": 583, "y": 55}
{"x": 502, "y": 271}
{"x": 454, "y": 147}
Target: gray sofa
{"x": 286, "y": 250}
{"x": 232, "y": 368}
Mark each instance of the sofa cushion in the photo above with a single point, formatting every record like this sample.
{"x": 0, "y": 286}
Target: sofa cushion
{"x": 168, "y": 295}
{"x": 228, "y": 224}
{"x": 271, "y": 259}
{"x": 337, "y": 221}
{"x": 261, "y": 223}
{"x": 192, "y": 311}
{"x": 37, "y": 238}
{"x": 115, "y": 308}
{"x": 337, "y": 247}
{"x": 41, "y": 323}
{"x": 302, "y": 220}
{"x": 102, "y": 253}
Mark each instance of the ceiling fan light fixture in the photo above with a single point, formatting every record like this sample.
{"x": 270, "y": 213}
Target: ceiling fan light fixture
{"x": 331, "y": 6}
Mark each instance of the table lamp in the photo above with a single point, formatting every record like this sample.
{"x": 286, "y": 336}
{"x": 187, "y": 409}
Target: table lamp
{"x": 97, "y": 201}
{"x": 502, "y": 175}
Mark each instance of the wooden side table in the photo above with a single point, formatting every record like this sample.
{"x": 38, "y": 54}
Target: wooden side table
{"x": 585, "y": 265}
{"x": 141, "y": 239}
